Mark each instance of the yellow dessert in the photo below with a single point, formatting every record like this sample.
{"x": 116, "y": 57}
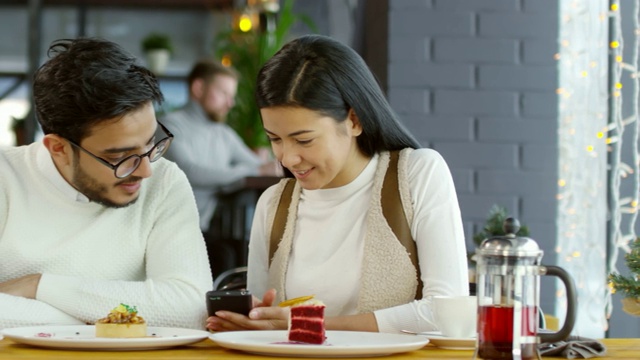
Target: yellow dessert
{"x": 295, "y": 301}
{"x": 122, "y": 322}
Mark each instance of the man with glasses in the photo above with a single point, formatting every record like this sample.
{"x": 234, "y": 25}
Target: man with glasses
{"x": 92, "y": 216}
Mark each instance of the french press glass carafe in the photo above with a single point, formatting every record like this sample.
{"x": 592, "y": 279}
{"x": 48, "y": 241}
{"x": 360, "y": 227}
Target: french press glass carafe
{"x": 508, "y": 281}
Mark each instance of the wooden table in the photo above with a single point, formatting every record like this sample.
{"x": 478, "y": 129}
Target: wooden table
{"x": 207, "y": 349}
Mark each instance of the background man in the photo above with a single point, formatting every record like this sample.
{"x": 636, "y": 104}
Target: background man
{"x": 208, "y": 150}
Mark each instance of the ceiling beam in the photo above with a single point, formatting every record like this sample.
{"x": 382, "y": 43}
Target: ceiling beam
{"x": 176, "y": 4}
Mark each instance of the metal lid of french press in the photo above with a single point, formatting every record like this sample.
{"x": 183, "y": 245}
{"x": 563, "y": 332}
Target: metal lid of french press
{"x": 509, "y": 244}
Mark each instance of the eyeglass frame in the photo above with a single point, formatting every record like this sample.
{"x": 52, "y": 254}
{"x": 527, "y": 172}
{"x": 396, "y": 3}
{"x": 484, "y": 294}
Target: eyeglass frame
{"x": 113, "y": 167}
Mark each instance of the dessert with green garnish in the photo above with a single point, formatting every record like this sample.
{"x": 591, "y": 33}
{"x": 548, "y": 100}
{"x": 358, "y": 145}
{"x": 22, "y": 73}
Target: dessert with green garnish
{"x": 122, "y": 322}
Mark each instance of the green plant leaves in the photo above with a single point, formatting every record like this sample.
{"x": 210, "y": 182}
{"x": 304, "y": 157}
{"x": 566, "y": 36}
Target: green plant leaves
{"x": 494, "y": 223}
{"x": 629, "y": 285}
{"x": 248, "y": 52}
{"x": 155, "y": 41}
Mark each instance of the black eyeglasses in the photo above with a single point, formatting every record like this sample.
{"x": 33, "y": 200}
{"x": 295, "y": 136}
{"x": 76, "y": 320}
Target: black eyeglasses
{"x": 128, "y": 165}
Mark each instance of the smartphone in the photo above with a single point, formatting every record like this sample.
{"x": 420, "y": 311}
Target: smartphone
{"x": 238, "y": 301}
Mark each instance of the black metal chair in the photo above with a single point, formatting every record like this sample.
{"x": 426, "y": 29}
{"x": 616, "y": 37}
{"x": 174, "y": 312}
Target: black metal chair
{"x": 232, "y": 279}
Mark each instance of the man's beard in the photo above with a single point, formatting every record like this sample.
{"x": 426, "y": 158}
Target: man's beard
{"x": 216, "y": 116}
{"x": 94, "y": 190}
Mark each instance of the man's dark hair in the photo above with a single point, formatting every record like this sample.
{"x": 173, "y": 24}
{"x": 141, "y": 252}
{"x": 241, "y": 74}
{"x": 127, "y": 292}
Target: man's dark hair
{"x": 87, "y": 81}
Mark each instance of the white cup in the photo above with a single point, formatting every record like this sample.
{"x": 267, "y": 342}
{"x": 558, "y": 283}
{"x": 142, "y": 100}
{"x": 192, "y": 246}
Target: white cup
{"x": 455, "y": 316}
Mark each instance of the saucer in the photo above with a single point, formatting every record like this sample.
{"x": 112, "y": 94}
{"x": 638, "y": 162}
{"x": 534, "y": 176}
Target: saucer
{"x": 436, "y": 338}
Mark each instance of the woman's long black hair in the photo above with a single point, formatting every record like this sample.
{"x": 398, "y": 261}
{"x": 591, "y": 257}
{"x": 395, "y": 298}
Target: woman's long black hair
{"x": 321, "y": 74}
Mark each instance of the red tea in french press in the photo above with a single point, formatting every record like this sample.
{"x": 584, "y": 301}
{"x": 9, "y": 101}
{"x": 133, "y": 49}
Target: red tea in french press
{"x": 508, "y": 281}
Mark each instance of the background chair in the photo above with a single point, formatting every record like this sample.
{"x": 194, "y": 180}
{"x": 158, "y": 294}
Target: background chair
{"x": 232, "y": 279}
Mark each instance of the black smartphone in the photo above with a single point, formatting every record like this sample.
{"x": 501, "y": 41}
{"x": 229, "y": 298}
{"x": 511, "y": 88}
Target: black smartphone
{"x": 238, "y": 301}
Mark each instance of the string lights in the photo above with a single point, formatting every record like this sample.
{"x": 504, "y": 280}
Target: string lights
{"x": 595, "y": 185}
{"x": 582, "y": 96}
{"x": 624, "y": 177}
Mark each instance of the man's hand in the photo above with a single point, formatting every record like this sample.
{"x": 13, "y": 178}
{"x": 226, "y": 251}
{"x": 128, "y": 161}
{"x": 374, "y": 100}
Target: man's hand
{"x": 25, "y": 286}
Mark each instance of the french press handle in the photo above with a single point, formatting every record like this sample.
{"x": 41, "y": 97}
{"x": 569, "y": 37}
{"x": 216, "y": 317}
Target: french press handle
{"x": 572, "y": 304}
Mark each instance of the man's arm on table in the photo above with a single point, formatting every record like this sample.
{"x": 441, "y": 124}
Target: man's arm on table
{"x": 16, "y": 311}
{"x": 177, "y": 277}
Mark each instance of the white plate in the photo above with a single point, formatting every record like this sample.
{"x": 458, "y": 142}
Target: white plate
{"x": 83, "y": 337}
{"x": 450, "y": 343}
{"x": 338, "y": 343}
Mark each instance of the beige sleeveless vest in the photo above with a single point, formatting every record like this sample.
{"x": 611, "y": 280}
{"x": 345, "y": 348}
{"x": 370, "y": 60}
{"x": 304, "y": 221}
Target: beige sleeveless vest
{"x": 388, "y": 276}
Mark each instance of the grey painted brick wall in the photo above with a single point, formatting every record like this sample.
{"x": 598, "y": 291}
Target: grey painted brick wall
{"x": 476, "y": 81}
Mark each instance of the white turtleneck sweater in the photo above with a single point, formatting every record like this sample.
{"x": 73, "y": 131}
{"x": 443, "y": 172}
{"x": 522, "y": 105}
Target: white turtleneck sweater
{"x": 328, "y": 243}
{"x": 150, "y": 254}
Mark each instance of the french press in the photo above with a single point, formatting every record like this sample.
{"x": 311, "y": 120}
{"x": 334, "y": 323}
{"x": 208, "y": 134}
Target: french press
{"x": 508, "y": 281}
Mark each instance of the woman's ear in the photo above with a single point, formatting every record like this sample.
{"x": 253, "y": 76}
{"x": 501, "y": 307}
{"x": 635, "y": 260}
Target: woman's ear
{"x": 356, "y": 126}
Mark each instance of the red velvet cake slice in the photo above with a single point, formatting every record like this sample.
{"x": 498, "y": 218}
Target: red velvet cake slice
{"x": 306, "y": 322}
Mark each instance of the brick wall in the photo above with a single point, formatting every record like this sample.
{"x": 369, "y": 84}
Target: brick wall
{"x": 476, "y": 81}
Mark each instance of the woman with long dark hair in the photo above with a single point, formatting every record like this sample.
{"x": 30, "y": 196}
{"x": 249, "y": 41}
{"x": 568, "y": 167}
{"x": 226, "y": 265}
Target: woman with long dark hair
{"x": 332, "y": 128}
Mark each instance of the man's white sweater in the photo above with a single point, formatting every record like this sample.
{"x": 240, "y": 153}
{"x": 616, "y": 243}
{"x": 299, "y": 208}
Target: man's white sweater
{"x": 150, "y": 254}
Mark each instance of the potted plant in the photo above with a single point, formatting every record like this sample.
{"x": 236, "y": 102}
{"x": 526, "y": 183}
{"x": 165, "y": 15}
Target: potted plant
{"x": 492, "y": 227}
{"x": 629, "y": 285}
{"x": 248, "y": 51}
{"x": 157, "y": 48}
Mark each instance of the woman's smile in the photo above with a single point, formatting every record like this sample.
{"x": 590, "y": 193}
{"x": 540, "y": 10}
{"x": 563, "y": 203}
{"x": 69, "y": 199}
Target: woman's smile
{"x": 320, "y": 151}
{"x": 301, "y": 174}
